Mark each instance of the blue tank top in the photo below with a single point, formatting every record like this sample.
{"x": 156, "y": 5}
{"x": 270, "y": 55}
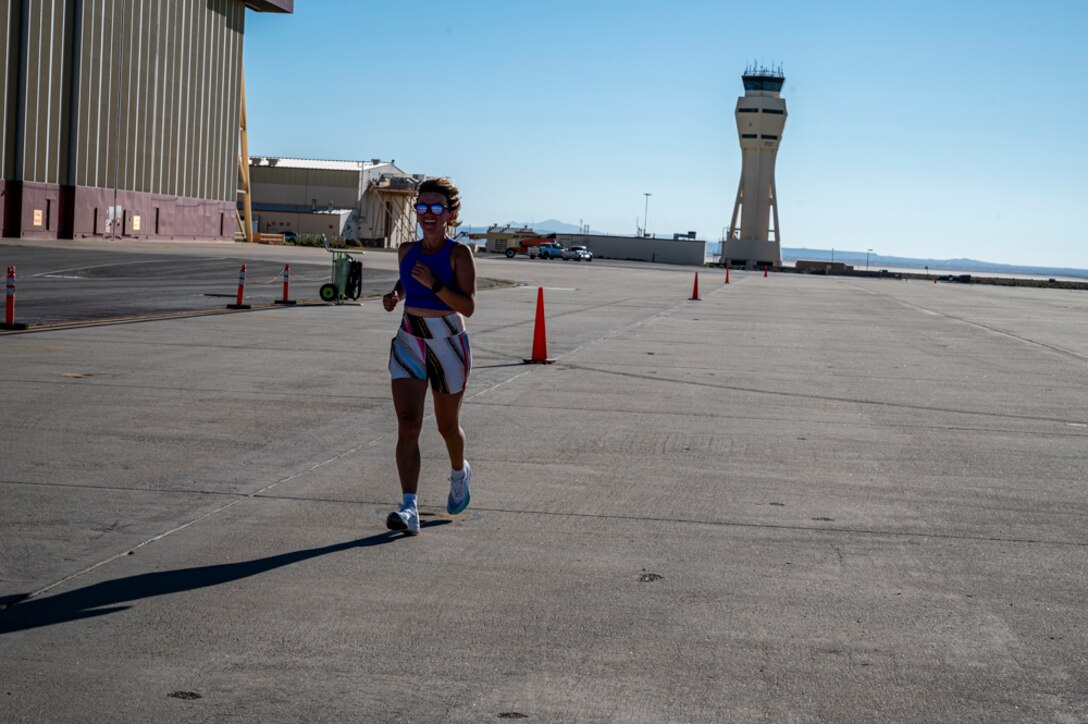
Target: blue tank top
{"x": 417, "y": 295}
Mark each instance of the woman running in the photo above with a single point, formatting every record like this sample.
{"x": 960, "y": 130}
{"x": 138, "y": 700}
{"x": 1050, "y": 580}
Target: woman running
{"x": 438, "y": 286}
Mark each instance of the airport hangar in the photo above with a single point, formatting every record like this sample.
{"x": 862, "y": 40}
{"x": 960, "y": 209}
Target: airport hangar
{"x": 122, "y": 118}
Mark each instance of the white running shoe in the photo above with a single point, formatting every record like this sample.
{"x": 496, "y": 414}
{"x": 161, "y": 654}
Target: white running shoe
{"x": 459, "y": 495}
{"x": 406, "y": 519}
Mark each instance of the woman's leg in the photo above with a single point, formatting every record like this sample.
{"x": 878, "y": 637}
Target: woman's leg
{"x": 408, "y": 400}
{"x": 447, "y": 413}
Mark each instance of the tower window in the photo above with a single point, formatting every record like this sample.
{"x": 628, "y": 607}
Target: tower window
{"x": 762, "y": 83}
{"x": 748, "y": 135}
{"x": 777, "y": 111}
{"x": 747, "y": 110}
{"x": 765, "y": 135}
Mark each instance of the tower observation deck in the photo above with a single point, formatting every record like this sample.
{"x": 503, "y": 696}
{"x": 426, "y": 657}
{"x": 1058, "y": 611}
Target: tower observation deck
{"x": 761, "y": 118}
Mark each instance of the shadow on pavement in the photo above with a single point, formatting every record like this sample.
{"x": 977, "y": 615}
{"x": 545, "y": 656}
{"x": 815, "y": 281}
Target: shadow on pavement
{"x": 97, "y": 599}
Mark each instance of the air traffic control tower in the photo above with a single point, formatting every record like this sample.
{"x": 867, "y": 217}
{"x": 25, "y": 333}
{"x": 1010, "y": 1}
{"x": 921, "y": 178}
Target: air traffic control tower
{"x": 761, "y": 116}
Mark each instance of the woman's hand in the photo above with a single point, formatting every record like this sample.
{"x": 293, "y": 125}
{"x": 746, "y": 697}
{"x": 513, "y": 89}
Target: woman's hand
{"x": 423, "y": 274}
{"x": 390, "y": 301}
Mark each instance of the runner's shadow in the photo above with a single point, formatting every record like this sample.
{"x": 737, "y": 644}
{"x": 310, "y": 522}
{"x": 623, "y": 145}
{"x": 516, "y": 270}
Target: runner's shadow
{"x": 98, "y": 599}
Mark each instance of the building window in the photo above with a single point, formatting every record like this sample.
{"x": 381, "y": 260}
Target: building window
{"x": 762, "y": 84}
{"x": 773, "y": 138}
{"x": 748, "y": 135}
{"x": 776, "y": 111}
{"x": 747, "y": 110}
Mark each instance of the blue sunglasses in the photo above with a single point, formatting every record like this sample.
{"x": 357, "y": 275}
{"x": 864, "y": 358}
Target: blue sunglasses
{"x": 435, "y": 209}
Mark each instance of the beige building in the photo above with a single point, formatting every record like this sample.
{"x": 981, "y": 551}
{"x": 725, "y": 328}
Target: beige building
{"x": 761, "y": 118}
{"x": 369, "y": 201}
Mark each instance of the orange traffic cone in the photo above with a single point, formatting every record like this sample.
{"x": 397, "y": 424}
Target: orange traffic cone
{"x": 540, "y": 335}
{"x": 695, "y": 289}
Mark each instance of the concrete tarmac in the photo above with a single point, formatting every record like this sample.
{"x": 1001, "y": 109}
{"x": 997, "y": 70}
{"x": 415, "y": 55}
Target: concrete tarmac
{"x": 800, "y": 499}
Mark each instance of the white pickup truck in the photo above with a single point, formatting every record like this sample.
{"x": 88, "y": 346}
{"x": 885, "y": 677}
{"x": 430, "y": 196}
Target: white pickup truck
{"x": 577, "y": 253}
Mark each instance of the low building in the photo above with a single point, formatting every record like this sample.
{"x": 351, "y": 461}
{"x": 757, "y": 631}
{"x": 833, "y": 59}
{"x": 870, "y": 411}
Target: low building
{"x": 367, "y": 201}
{"x": 824, "y": 266}
{"x": 684, "y": 250}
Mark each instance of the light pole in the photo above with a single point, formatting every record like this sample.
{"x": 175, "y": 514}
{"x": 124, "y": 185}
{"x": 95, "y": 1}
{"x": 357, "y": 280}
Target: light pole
{"x": 645, "y": 213}
{"x": 867, "y": 253}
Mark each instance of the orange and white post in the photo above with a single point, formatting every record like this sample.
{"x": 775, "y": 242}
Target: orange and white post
{"x": 241, "y": 291}
{"x": 9, "y": 303}
{"x": 286, "y": 286}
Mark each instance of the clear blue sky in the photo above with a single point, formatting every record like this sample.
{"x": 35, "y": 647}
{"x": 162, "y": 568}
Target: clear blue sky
{"x": 926, "y": 129}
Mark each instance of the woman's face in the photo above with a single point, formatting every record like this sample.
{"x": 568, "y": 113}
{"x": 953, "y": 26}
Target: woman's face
{"x": 428, "y": 220}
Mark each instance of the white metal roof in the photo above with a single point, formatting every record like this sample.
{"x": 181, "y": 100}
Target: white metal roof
{"x": 317, "y": 164}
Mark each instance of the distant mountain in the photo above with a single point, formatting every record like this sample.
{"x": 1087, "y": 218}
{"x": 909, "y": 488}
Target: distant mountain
{"x": 554, "y": 226}
{"x": 877, "y": 261}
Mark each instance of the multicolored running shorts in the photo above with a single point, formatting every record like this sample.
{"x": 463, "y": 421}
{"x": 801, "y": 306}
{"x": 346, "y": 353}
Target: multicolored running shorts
{"x": 434, "y": 349}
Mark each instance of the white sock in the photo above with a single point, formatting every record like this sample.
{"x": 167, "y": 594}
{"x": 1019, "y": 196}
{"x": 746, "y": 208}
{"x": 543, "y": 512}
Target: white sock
{"x": 409, "y": 500}
{"x": 462, "y": 472}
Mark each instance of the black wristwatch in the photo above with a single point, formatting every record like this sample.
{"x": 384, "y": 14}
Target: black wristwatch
{"x": 437, "y": 286}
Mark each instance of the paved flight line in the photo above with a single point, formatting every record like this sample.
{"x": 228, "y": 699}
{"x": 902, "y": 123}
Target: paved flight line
{"x": 761, "y": 605}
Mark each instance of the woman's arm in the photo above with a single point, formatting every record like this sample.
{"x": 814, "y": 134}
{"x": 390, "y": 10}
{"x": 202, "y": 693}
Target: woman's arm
{"x": 390, "y": 300}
